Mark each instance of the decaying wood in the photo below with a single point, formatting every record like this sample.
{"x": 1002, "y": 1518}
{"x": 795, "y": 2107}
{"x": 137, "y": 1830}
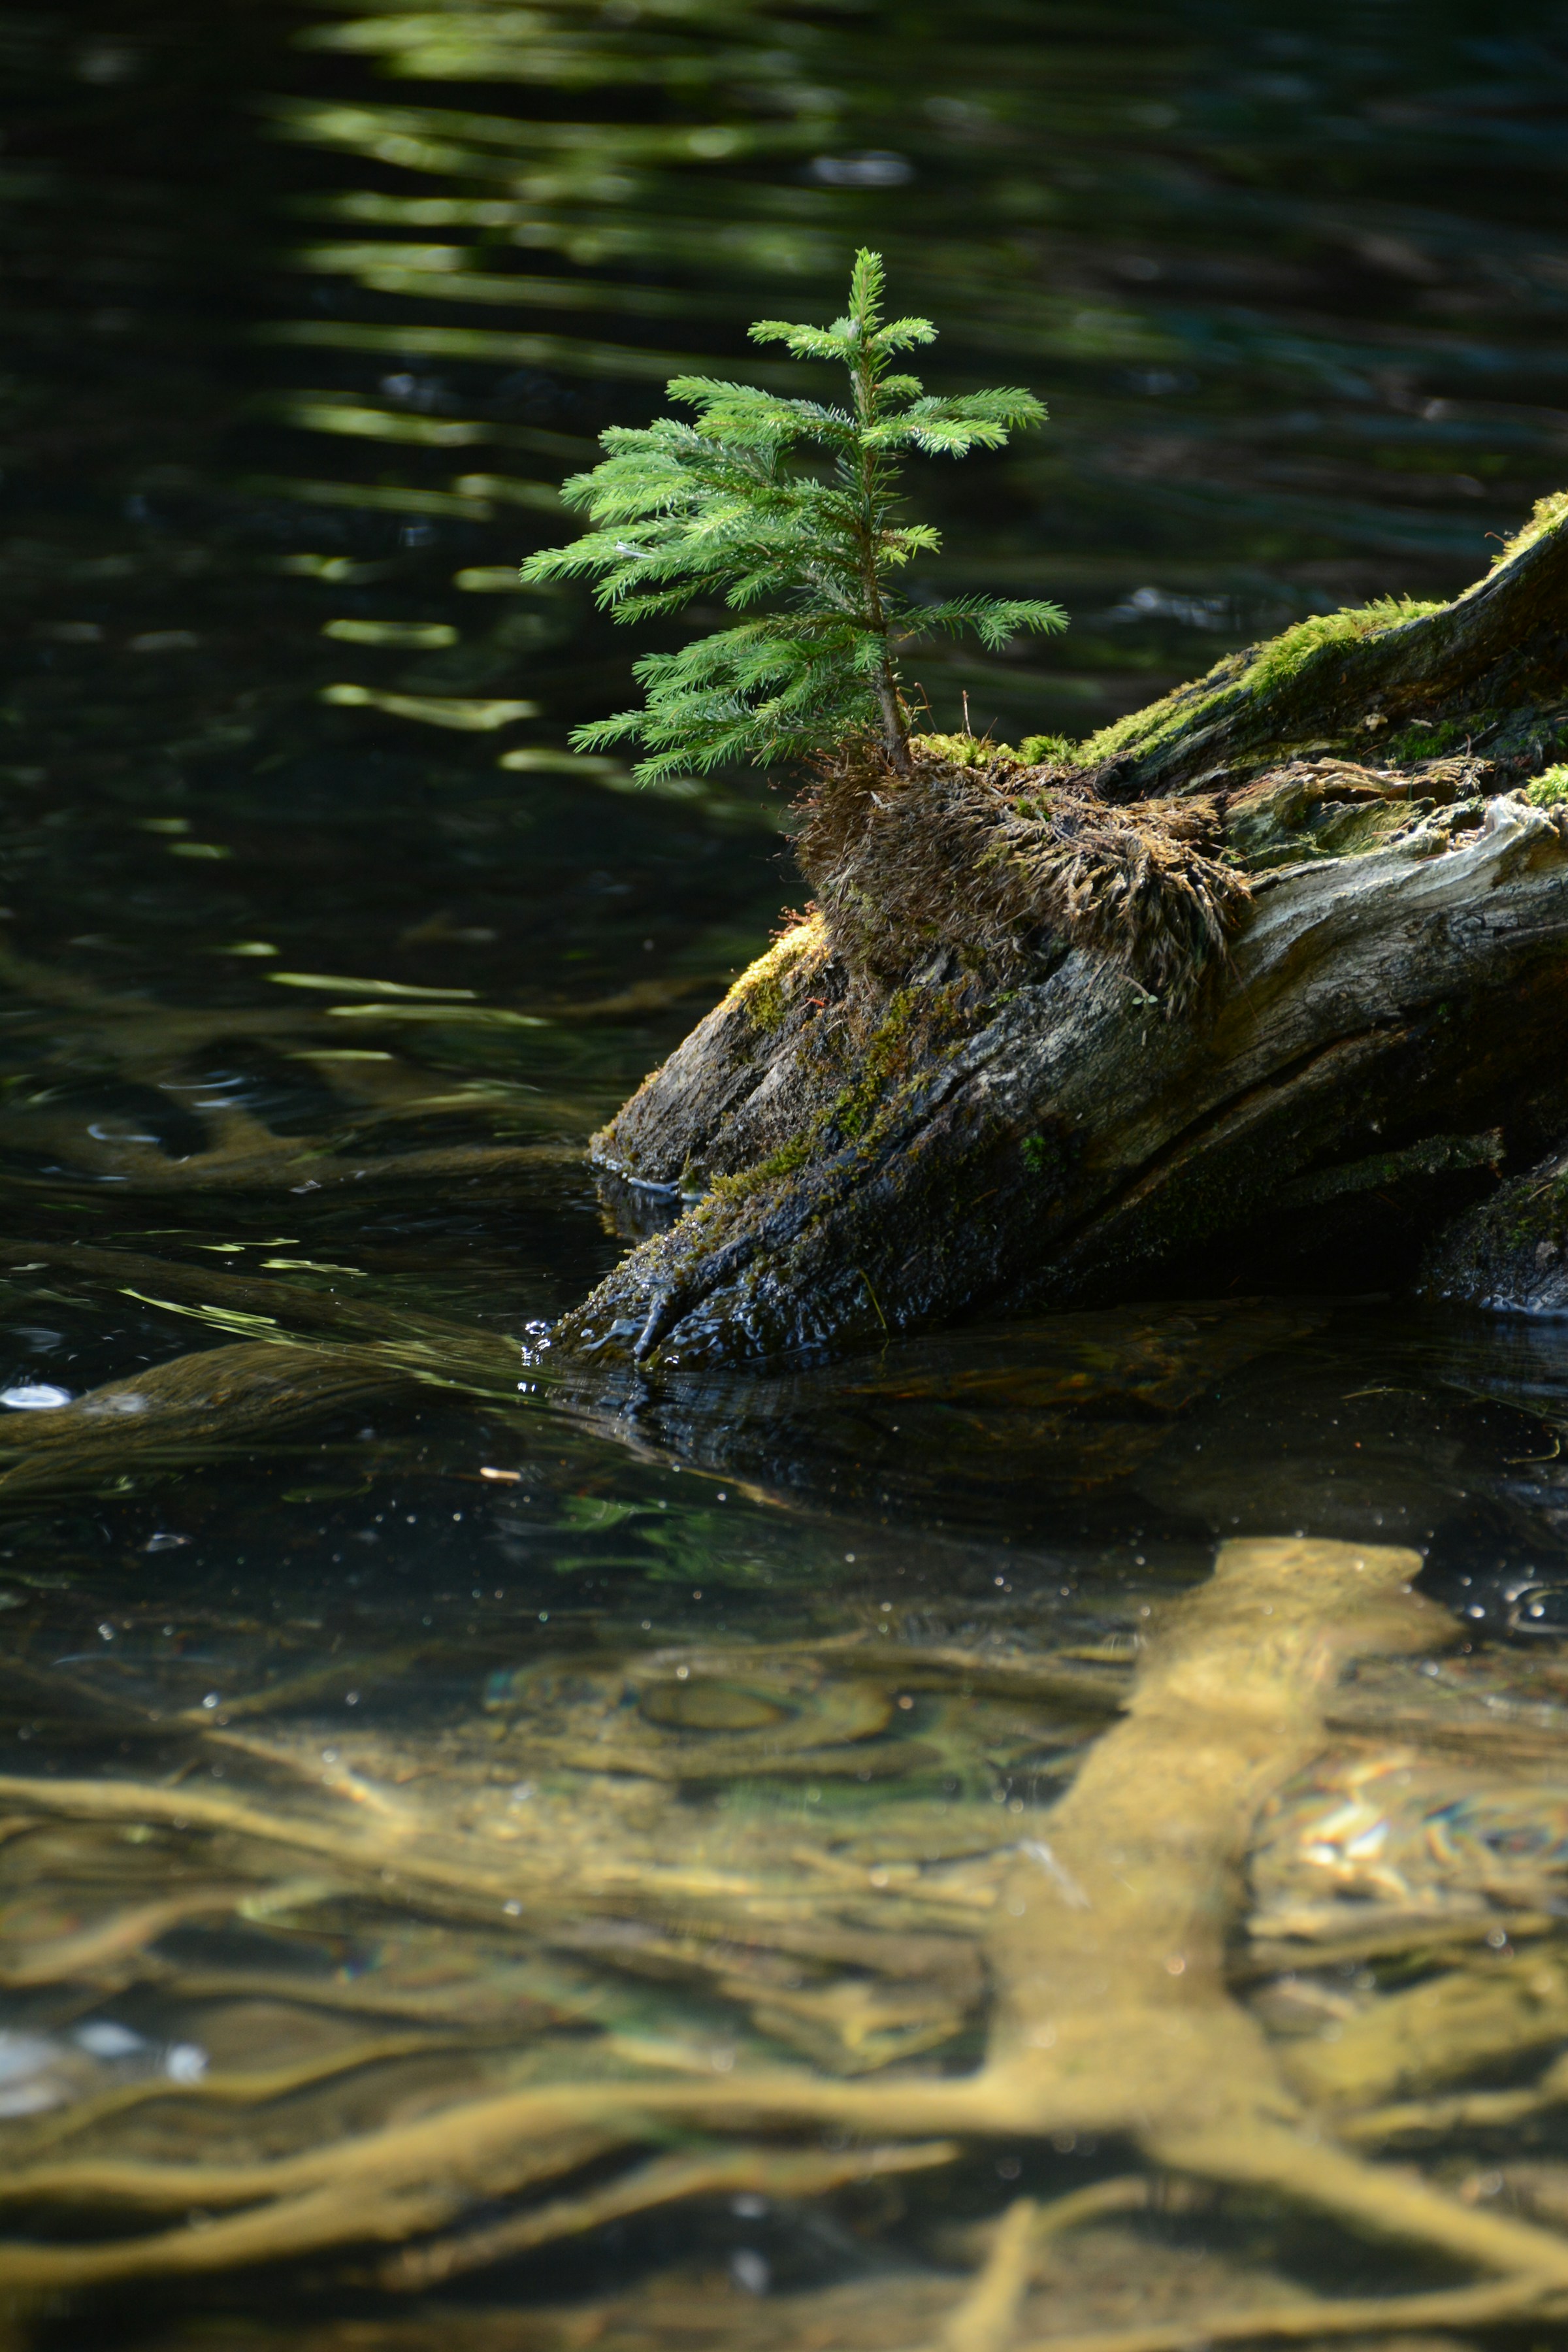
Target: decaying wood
{"x": 1021, "y": 1118}
{"x": 1381, "y": 1014}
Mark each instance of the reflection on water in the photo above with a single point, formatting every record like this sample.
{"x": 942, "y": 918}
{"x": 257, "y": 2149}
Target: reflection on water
{"x": 502, "y": 1855}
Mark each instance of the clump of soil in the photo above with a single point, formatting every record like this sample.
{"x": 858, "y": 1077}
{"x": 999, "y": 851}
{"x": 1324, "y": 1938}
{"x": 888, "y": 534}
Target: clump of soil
{"x": 1010, "y": 866}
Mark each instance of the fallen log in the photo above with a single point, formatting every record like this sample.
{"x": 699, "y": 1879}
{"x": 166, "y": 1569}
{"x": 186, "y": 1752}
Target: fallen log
{"x": 1218, "y": 1000}
{"x": 1493, "y": 657}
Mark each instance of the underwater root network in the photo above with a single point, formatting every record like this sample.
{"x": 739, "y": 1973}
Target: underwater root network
{"x": 1111, "y": 2014}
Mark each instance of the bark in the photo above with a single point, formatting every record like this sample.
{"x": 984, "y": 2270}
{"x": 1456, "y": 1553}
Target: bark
{"x": 1510, "y": 1252}
{"x": 865, "y": 1152}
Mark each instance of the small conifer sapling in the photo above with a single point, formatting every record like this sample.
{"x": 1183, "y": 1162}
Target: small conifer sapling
{"x": 791, "y": 507}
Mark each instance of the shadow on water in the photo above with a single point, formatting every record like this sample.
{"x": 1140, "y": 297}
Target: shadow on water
{"x": 498, "y": 1854}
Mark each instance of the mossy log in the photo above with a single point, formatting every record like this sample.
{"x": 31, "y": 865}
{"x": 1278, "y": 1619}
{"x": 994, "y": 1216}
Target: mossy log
{"x": 1495, "y": 653}
{"x": 1219, "y": 1001}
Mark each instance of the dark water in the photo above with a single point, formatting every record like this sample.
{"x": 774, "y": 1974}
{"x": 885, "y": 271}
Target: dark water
{"x": 325, "y": 956}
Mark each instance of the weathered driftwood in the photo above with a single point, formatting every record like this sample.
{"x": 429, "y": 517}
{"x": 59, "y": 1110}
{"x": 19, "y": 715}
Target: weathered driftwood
{"x": 1042, "y": 1105}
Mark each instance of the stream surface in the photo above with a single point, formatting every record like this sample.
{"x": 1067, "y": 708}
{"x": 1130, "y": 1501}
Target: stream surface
{"x": 669, "y": 1735}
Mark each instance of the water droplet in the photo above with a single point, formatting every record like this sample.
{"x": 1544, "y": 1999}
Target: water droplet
{"x": 751, "y": 2271}
{"x": 101, "y": 2037}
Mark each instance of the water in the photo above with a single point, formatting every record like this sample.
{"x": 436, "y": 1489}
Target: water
{"x": 414, "y": 1726}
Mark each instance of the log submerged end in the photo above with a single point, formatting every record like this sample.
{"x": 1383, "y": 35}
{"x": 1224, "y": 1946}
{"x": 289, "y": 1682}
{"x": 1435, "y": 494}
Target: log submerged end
{"x": 1036, "y": 1046}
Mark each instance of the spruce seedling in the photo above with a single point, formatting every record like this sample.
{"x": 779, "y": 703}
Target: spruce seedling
{"x": 792, "y": 506}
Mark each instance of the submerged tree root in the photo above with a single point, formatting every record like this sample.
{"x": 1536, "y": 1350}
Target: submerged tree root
{"x": 247, "y": 2090}
{"x": 986, "y": 2318}
{"x": 1467, "y": 2111}
{"x": 1308, "y": 2320}
{"x": 1112, "y": 2015}
{"x": 667, "y": 2180}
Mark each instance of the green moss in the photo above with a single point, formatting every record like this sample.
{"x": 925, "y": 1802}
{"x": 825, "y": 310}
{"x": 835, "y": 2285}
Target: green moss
{"x": 1040, "y": 750}
{"x": 1544, "y": 514}
{"x": 1350, "y": 829}
{"x": 762, "y": 987}
{"x": 766, "y": 1003}
{"x": 914, "y": 1017}
{"x": 782, "y": 1162}
{"x": 1262, "y": 666}
{"x": 1284, "y": 657}
{"x": 1549, "y": 788}
{"x": 1152, "y": 725}
{"x": 889, "y": 1044}
{"x": 963, "y": 751}
{"x": 1423, "y": 741}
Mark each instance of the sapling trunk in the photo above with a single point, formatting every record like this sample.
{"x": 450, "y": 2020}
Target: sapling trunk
{"x": 895, "y": 727}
